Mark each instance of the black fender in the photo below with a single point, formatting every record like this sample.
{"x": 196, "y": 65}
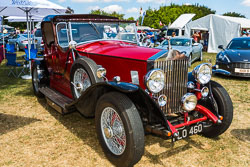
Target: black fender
{"x": 191, "y": 77}
{"x": 146, "y": 106}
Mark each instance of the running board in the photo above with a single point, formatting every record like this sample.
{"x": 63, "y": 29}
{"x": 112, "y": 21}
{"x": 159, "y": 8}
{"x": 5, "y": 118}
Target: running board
{"x": 57, "y": 101}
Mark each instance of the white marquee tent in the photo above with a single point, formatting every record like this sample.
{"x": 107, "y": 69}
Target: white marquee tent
{"x": 222, "y": 29}
{"x": 23, "y": 19}
{"x": 28, "y": 8}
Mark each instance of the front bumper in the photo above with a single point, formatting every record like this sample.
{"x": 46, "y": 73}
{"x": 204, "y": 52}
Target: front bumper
{"x": 238, "y": 69}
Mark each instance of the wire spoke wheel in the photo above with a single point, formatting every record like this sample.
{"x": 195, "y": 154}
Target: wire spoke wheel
{"x": 81, "y": 81}
{"x": 113, "y": 131}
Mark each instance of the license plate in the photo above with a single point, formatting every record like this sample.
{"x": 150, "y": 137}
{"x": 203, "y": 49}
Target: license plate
{"x": 241, "y": 70}
{"x": 188, "y": 131}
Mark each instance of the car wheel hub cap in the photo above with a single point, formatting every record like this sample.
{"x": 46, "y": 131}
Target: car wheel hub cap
{"x": 81, "y": 81}
{"x": 113, "y": 131}
{"x": 108, "y": 133}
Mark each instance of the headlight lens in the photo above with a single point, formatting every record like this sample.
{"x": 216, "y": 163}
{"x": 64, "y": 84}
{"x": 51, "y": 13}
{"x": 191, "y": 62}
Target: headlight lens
{"x": 223, "y": 57}
{"x": 189, "y": 102}
{"x": 155, "y": 80}
{"x": 203, "y": 73}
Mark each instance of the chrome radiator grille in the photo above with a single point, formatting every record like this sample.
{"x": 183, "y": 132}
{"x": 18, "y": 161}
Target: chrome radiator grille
{"x": 176, "y": 72}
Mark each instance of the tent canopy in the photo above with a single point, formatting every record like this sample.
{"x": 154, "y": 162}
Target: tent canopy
{"x": 181, "y": 21}
{"x": 33, "y": 7}
{"x": 222, "y": 29}
{"x": 23, "y": 19}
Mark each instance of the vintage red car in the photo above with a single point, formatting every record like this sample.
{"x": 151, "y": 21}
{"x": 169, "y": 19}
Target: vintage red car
{"x": 93, "y": 64}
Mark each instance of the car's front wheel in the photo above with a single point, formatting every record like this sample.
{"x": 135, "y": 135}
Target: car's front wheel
{"x": 201, "y": 57}
{"x": 225, "y": 109}
{"x": 119, "y": 129}
{"x": 17, "y": 47}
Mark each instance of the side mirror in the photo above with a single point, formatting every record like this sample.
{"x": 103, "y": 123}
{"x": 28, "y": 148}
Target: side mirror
{"x": 221, "y": 47}
{"x": 195, "y": 44}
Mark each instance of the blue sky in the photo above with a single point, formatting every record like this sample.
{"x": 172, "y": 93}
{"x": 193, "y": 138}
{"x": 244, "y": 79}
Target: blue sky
{"x": 131, "y": 7}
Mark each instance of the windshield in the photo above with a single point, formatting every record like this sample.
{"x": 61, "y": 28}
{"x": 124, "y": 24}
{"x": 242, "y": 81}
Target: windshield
{"x": 178, "y": 42}
{"x": 239, "y": 44}
{"x": 85, "y": 32}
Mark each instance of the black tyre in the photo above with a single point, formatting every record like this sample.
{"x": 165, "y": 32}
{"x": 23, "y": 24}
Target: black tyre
{"x": 119, "y": 129}
{"x": 82, "y": 76}
{"x": 201, "y": 57}
{"x": 36, "y": 80}
{"x": 225, "y": 108}
{"x": 17, "y": 47}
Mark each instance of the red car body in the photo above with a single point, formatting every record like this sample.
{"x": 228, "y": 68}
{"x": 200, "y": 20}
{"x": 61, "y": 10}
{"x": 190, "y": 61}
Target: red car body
{"x": 116, "y": 56}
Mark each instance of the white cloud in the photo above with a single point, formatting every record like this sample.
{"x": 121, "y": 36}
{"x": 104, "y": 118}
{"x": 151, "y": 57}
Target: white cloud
{"x": 113, "y": 8}
{"x": 154, "y": 1}
{"x": 61, "y": 1}
{"x": 86, "y": 1}
{"x": 89, "y": 1}
{"x": 93, "y": 8}
{"x": 246, "y": 2}
{"x": 133, "y": 10}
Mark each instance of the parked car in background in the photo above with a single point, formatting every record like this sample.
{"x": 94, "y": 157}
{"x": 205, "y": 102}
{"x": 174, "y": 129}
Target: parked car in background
{"x": 39, "y": 40}
{"x": 128, "y": 89}
{"x": 21, "y": 41}
{"x": 4, "y": 37}
{"x": 235, "y": 58}
{"x": 187, "y": 45}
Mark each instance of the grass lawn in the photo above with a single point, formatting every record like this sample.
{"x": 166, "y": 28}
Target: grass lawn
{"x": 33, "y": 134}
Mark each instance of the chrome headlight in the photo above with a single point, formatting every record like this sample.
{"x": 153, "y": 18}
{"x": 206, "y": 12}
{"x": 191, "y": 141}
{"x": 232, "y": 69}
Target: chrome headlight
{"x": 155, "y": 80}
{"x": 203, "y": 73}
{"x": 189, "y": 102}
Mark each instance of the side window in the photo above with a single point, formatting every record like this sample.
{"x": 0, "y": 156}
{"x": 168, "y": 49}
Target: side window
{"x": 48, "y": 33}
{"x": 62, "y": 34}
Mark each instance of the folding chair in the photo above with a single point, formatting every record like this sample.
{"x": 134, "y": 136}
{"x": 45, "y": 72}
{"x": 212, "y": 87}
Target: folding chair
{"x": 33, "y": 54}
{"x": 10, "y": 48}
{"x": 11, "y": 62}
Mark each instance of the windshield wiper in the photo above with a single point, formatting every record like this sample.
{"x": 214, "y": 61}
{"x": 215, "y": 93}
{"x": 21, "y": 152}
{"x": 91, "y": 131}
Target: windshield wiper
{"x": 94, "y": 27}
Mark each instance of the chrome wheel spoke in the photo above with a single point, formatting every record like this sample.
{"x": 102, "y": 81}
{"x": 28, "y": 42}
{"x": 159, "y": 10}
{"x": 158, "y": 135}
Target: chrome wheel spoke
{"x": 81, "y": 81}
{"x": 113, "y": 131}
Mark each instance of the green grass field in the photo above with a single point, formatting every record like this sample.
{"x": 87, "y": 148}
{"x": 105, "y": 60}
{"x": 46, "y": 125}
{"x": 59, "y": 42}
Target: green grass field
{"x": 33, "y": 134}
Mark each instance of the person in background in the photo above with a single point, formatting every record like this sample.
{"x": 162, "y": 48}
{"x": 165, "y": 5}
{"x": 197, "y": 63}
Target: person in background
{"x": 5, "y": 31}
{"x": 33, "y": 31}
{"x": 151, "y": 35}
{"x": 173, "y": 34}
{"x": 244, "y": 33}
{"x": 196, "y": 35}
{"x": 17, "y": 30}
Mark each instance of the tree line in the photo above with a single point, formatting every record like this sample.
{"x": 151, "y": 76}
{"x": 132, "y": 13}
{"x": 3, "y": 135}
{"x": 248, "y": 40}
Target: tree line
{"x": 168, "y": 14}
{"x": 164, "y": 15}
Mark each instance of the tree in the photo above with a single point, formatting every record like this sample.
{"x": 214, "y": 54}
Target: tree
{"x": 168, "y": 14}
{"x": 131, "y": 18}
{"x": 101, "y": 12}
{"x": 234, "y": 14}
